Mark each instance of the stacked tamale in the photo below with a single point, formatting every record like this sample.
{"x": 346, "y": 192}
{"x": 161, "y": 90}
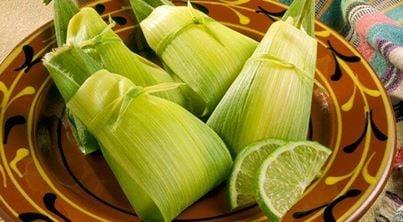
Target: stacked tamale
{"x": 144, "y": 119}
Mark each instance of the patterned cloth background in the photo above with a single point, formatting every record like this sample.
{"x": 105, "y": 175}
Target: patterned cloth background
{"x": 375, "y": 28}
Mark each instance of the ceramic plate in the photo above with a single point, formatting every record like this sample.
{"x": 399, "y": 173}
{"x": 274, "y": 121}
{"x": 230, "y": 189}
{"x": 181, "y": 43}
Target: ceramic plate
{"x": 44, "y": 176}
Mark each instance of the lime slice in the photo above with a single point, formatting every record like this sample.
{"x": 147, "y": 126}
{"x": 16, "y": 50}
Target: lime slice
{"x": 286, "y": 173}
{"x": 242, "y": 190}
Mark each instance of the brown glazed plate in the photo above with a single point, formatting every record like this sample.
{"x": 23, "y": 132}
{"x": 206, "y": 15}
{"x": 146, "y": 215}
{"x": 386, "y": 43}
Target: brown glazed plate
{"x": 44, "y": 177}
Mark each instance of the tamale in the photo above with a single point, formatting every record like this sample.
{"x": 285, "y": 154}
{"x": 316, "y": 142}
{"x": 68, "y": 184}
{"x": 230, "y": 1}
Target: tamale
{"x": 87, "y": 30}
{"x": 93, "y": 44}
{"x": 163, "y": 157}
{"x": 271, "y": 97}
{"x": 195, "y": 49}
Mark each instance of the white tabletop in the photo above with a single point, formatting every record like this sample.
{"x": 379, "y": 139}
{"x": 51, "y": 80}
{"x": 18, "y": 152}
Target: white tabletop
{"x": 18, "y": 19}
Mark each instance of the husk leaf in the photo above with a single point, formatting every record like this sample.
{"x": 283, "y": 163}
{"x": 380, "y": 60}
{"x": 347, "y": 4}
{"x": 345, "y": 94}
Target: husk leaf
{"x": 63, "y": 11}
{"x": 143, "y": 8}
{"x": 69, "y": 67}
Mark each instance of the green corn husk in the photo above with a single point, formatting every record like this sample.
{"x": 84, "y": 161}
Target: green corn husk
{"x": 271, "y": 98}
{"x": 163, "y": 157}
{"x": 92, "y": 44}
{"x": 195, "y": 49}
{"x": 63, "y": 11}
{"x": 69, "y": 66}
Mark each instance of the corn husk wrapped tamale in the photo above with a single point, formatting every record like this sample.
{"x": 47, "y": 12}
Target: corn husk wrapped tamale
{"x": 195, "y": 49}
{"x": 163, "y": 157}
{"x": 87, "y": 30}
{"x": 93, "y": 44}
{"x": 271, "y": 98}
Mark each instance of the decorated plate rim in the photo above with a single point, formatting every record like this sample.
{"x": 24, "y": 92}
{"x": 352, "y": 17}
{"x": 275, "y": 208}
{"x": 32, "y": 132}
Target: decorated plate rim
{"x": 361, "y": 206}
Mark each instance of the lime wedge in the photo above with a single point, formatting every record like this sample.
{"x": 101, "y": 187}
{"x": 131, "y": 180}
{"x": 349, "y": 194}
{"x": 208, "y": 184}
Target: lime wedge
{"x": 286, "y": 173}
{"x": 242, "y": 183}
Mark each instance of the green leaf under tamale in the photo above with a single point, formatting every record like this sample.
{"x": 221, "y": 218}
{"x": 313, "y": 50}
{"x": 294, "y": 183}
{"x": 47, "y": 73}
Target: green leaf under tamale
{"x": 163, "y": 157}
{"x": 196, "y": 50}
{"x": 143, "y": 8}
{"x": 69, "y": 68}
{"x": 156, "y": 3}
{"x": 271, "y": 97}
{"x": 303, "y": 15}
{"x": 63, "y": 11}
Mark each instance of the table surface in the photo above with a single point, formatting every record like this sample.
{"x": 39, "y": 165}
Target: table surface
{"x": 21, "y": 17}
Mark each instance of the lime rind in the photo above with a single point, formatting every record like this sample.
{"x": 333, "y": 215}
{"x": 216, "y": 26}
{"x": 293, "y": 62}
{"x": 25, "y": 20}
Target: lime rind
{"x": 273, "y": 217}
{"x": 263, "y": 200}
{"x": 252, "y": 148}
